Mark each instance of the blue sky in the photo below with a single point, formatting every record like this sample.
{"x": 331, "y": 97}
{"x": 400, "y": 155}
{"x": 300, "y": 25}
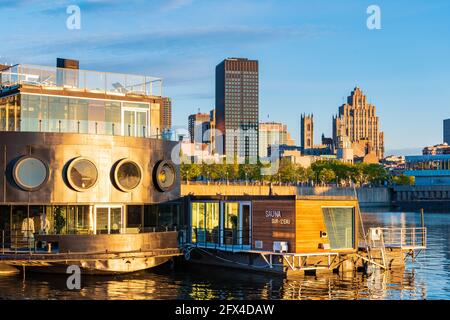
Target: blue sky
{"x": 311, "y": 53}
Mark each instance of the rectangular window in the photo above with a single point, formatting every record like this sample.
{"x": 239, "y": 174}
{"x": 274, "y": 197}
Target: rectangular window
{"x": 198, "y": 222}
{"x": 231, "y": 221}
{"x": 340, "y": 222}
{"x": 212, "y": 222}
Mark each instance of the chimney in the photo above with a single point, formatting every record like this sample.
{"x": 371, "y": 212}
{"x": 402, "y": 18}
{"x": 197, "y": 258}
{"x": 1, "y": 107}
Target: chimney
{"x": 66, "y": 74}
{"x": 67, "y": 63}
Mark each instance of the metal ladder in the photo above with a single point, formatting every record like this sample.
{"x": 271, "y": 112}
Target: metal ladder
{"x": 369, "y": 246}
{"x": 377, "y": 244}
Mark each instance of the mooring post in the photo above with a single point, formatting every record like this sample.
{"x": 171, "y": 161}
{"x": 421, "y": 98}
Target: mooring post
{"x": 422, "y": 216}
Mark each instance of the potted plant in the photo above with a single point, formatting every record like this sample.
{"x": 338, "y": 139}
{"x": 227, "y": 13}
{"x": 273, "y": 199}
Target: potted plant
{"x": 60, "y": 221}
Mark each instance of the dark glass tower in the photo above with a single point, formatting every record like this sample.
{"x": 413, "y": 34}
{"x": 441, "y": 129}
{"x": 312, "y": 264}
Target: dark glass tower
{"x": 237, "y": 108}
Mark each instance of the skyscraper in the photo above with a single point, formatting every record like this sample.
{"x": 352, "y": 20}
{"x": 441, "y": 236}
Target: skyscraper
{"x": 272, "y": 133}
{"x": 307, "y": 131}
{"x": 358, "y": 121}
{"x": 237, "y": 107}
{"x": 447, "y": 131}
{"x": 199, "y": 123}
{"x": 166, "y": 114}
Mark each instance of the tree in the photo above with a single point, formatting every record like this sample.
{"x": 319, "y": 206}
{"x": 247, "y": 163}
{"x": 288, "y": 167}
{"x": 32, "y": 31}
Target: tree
{"x": 403, "y": 180}
{"x": 327, "y": 175}
{"x": 303, "y": 174}
{"x": 190, "y": 171}
{"x": 287, "y": 171}
{"x": 360, "y": 176}
{"x": 376, "y": 174}
{"x": 247, "y": 171}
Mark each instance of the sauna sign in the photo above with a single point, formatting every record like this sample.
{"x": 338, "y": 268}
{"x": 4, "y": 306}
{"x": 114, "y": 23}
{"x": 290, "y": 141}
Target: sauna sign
{"x": 277, "y": 217}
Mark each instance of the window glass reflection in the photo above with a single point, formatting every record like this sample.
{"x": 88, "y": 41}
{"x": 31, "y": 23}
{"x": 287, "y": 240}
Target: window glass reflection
{"x": 128, "y": 175}
{"x": 30, "y": 173}
{"x": 82, "y": 174}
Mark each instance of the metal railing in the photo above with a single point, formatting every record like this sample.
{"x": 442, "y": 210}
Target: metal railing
{"x": 83, "y": 127}
{"x": 228, "y": 239}
{"x": 17, "y": 241}
{"x": 94, "y": 81}
{"x": 405, "y": 238}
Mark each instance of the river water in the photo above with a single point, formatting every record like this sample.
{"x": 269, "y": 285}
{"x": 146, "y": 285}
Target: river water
{"x": 427, "y": 278}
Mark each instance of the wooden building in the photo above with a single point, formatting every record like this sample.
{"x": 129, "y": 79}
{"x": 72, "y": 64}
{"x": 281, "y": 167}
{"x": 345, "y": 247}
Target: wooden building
{"x": 305, "y": 224}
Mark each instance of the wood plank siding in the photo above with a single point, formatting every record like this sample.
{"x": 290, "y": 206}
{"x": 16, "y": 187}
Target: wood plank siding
{"x": 310, "y": 221}
{"x": 274, "y": 220}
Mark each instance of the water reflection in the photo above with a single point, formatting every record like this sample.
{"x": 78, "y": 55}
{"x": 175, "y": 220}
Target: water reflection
{"x": 427, "y": 278}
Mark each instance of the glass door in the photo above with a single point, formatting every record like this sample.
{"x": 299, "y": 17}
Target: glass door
{"x": 115, "y": 216}
{"x": 109, "y": 219}
{"x": 129, "y": 123}
{"x": 245, "y": 224}
{"x": 101, "y": 222}
{"x": 141, "y": 123}
{"x": 135, "y": 122}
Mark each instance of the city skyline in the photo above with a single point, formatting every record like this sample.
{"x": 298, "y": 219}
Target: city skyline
{"x": 309, "y": 61}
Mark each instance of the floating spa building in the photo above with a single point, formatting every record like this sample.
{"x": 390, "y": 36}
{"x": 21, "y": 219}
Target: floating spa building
{"x": 300, "y": 230}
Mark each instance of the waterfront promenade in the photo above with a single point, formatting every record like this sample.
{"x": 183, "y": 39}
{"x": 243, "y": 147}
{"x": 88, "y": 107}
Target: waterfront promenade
{"x": 375, "y": 196}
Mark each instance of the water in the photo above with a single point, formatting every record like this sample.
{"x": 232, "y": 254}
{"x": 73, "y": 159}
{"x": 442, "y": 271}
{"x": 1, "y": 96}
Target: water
{"x": 427, "y": 278}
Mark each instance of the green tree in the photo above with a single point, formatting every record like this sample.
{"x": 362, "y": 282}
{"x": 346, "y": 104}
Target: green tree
{"x": 376, "y": 174}
{"x": 403, "y": 180}
{"x": 327, "y": 175}
{"x": 189, "y": 171}
{"x": 287, "y": 171}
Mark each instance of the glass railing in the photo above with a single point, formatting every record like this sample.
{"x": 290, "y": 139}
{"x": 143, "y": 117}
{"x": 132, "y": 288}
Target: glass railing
{"x": 82, "y": 127}
{"x": 83, "y": 80}
{"x": 222, "y": 238}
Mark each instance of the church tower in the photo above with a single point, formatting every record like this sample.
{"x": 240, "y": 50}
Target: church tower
{"x": 307, "y": 131}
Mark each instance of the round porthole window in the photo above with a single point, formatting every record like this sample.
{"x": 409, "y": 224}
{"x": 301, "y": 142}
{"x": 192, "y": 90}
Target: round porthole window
{"x": 82, "y": 174}
{"x": 164, "y": 176}
{"x": 127, "y": 175}
{"x": 30, "y": 173}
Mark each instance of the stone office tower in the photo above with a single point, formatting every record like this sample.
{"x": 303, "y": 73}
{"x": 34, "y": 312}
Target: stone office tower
{"x": 307, "y": 131}
{"x": 358, "y": 121}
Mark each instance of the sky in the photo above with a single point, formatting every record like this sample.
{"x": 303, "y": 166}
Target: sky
{"x": 311, "y": 54}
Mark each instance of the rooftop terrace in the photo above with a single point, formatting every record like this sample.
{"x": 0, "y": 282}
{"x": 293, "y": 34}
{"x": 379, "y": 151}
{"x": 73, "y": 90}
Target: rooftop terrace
{"x": 79, "y": 80}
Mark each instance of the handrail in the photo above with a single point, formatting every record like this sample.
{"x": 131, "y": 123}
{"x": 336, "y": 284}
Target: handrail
{"x": 216, "y": 238}
{"x": 16, "y": 240}
{"x": 104, "y": 82}
{"x": 404, "y": 237}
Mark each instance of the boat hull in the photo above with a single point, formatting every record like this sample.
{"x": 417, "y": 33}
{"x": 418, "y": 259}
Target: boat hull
{"x": 98, "y": 267}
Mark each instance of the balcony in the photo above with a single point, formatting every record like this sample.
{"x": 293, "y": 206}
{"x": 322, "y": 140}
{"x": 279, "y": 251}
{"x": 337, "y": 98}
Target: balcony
{"x": 80, "y": 80}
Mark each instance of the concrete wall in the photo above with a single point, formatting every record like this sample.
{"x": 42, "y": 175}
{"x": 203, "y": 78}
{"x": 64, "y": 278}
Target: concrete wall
{"x": 374, "y": 197}
{"x": 421, "y": 193}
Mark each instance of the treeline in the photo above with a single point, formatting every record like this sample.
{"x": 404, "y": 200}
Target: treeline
{"x": 320, "y": 172}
